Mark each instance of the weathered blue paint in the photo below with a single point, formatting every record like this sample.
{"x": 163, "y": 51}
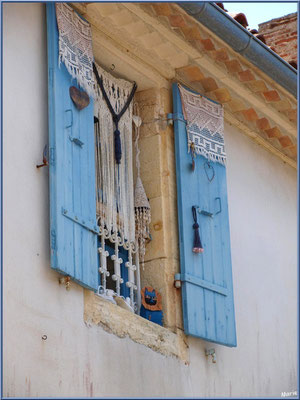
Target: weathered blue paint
{"x": 72, "y": 173}
{"x": 207, "y": 293}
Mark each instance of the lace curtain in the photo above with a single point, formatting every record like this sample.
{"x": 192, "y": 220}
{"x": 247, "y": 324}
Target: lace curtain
{"x": 114, "y": 182}
{"x": 205, "y": 125}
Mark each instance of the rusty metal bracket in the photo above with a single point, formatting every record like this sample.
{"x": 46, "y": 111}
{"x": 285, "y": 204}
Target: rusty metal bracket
{"x": 45, "y": 159}
{"x": 66, "y": 280}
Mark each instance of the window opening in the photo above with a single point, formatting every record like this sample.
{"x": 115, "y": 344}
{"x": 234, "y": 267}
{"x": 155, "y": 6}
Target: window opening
{"x": 117, "y": 248}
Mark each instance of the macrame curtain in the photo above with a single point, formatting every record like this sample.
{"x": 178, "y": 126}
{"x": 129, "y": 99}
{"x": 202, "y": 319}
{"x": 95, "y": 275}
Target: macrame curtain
{"x": 75, "y": 46}
{"x": 114, "y": 182}
{"x": 205, "y": 125}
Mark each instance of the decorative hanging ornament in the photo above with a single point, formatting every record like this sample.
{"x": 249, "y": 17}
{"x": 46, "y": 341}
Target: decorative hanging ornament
{"x": 197, "y": 246}
{"x": 192, "y": 149}
{"x": 141, "y": 203}
{"x": 79, "y": 97}
{"x": 116, "y": 117}
{"x": 114, "y": 182}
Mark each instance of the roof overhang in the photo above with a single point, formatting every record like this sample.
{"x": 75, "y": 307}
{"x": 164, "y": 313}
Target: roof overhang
{"x": 158, "y": 43}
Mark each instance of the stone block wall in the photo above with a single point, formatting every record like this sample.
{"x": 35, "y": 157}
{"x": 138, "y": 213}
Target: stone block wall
{"x": 157, "y": 160}
{"x": 281, "y": 35}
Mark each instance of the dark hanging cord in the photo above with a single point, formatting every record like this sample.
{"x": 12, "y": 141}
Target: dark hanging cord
{"x": 116, "y": 117}
{"x": 197, "y": 247}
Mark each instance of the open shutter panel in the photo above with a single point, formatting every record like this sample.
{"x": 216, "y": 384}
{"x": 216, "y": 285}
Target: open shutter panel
{"x": 207, "y": 294}
{"x": 72, "y": 173}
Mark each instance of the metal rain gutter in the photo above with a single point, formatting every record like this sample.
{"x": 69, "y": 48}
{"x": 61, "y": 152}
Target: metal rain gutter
{"x": 243, "y": 42}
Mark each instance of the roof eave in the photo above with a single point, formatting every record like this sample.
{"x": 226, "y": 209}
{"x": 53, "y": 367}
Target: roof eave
{"x": 243, "y": 42}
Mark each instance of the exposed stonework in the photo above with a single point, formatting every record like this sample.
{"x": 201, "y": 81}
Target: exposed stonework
{"x": 123, "y": 323}
{"x": 281, "y": 35}
{"x": 158, "y": 176}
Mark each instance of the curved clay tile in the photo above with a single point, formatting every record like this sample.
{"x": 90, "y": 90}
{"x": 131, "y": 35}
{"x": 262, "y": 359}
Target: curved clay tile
{"x": 221, "y": 5}
{"x": 259, "y": 36}
{"x": 294, "y": 64}
{"x": 240, "y": 18}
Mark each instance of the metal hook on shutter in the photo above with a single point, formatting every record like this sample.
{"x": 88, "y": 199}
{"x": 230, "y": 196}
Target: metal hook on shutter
{"x": 210, "y": 214}
{"x": 220, "y": 205}
{"x": 206, "y": 213}
{"x": 76, "y": 141}
{"x": 71, "y": 123}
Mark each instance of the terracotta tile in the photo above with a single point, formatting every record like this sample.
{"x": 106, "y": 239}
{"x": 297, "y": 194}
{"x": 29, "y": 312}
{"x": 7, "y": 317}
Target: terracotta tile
{"x": 236, "y": 105}
{"x": 191, "y": 72}
{"x": 271, "y": 95}
{"x": 208, "y": 44}
{"x": 233, "y": 66}
{"x": 221, "y": 55}
{"x": 197, "y": 43}
{"x": 291, "y": 152}
{"x": 263, "y": 124}
{"x": 177, "y": 21}
{"x": 222, "y": 95}
{"x": 257, "y": 86}
{"x": 191, "y": 33}
{"x": 285, "y": 141}
{"x": 212, "y": 96}
{"x": 162, "y": 9}
{"x": 209, "y": 84}
{"x": 246, "y": 76}
{"x": 273, "y": 132}
{"x": 282, "y": 105}
{"x": 250, "y": 114}
{"x": 240, "y": 18}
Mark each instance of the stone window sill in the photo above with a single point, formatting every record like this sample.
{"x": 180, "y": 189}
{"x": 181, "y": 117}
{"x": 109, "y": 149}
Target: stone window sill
{"x": 123, "y": 323}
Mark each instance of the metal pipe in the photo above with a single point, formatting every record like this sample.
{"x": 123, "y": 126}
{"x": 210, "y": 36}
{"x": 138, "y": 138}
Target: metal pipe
{"x": 244, "y": 43}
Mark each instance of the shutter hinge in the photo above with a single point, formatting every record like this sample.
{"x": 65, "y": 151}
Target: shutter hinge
{"x": 52, "y": 156}
{"x": 53, "y": 239}
{"x": 194, "y": 280}
{"x": 175, "y": 117}
{"x": 177, "y": 281}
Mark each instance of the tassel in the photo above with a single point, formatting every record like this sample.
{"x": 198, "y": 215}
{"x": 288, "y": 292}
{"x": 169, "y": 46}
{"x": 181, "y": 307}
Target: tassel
{"x": 118, "y": 149}
{"x": 197, "y": 247}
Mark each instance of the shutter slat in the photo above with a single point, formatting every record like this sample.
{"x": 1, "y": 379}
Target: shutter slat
{"x": 207, "y": 295}
{"x": 72, "y": 176}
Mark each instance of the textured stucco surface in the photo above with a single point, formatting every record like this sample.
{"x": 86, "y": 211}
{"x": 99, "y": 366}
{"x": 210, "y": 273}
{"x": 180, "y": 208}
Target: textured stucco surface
{"x": 83, "y": 359}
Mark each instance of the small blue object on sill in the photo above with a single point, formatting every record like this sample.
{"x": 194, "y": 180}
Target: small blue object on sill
{"x": 151, "y": 307}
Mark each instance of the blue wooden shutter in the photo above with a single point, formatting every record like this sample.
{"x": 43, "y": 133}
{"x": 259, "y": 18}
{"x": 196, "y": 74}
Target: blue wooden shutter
{"x": 207, "y": 293}
{"x": 72, "y": 173}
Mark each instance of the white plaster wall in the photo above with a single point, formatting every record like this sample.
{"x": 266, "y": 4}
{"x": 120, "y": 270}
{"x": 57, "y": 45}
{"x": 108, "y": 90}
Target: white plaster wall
{"x": 79, "y": 361}
{"x": 263, "y": 226}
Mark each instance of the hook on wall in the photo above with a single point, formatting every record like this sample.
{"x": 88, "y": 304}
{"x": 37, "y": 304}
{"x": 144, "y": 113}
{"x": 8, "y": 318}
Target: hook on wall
{"x": 66, "y": 280}
{"x": 45, "y": 158}
{"x": 212, "y": 353}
